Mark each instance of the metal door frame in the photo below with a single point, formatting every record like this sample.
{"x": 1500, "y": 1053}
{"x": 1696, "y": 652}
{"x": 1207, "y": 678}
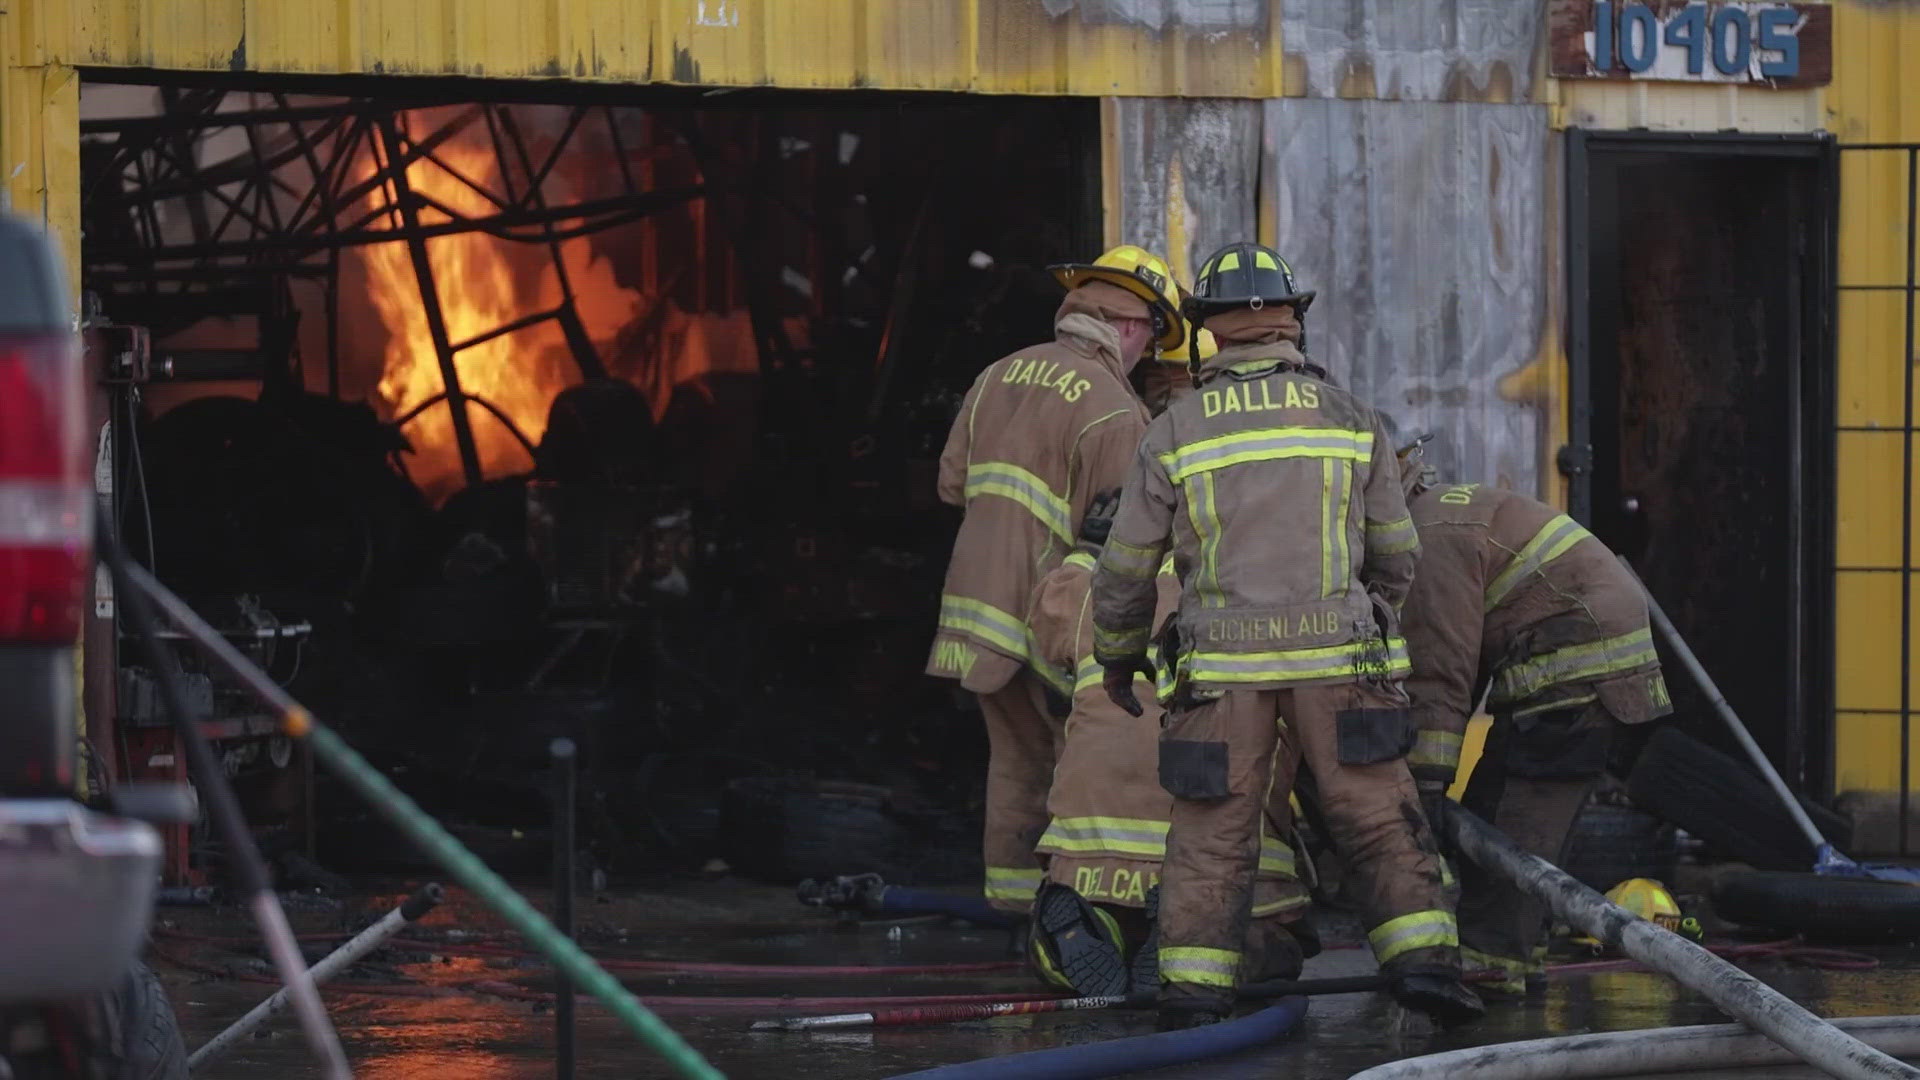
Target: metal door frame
{"x": 1809, "y": 731}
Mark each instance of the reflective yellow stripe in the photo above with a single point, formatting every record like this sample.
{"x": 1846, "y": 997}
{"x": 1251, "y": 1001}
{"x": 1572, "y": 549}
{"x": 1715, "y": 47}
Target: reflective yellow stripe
{"x": 1447, "y": 879}
{"x": 1265, "y": 444}
{"x": 1229, "y": 261}
{"x": 1261, "y": 911}
{"x": 1552, "y": 541}
{"x": 1128, "y": 560}
{"x": 1206, "y": 967}
{"x": 1353, "y": 658}
{"x": 1012, "y": 882}
{"x": 1392, "y": 537}
{"x": 1438, "y": 749}
{"x": 1556, "y": 703}
{"x": 1202, "y": 514}
{"x": 1576, "y": 663}
{"x": 1335, "y": 560}
{"x": 1420, "y": 930}
{"x": 1133, "y": 837}
{"x": 1060, "y": 681}
{"x": 986, "y": 622}
{"x": 1118, "y": 643}
{"x": 1082, "y": 560}
{"x": 1263, "y": 261}
{"x": 1010, "y": 481}
{"x": 1474, "y": 960}
{"x": 1276, "y": 857}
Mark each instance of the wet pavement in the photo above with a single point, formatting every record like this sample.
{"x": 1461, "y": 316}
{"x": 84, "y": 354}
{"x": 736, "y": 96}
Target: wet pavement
{"x": 461, "y": 1005}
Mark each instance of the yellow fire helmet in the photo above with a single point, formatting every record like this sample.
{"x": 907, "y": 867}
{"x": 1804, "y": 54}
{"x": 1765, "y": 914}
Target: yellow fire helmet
{"x": 1179, "y": 353}
{"x": 1651, "y": 901}
{"x": 1141, "y": 273}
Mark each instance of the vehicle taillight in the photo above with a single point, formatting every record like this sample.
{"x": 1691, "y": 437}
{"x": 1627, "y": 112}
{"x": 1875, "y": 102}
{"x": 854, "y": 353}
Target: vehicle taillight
{"x": 46, "y": 495}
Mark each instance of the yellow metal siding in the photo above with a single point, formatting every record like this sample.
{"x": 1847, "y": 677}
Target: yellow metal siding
{"x": 996, "y": 46}
{"x": 1871, "y": 100}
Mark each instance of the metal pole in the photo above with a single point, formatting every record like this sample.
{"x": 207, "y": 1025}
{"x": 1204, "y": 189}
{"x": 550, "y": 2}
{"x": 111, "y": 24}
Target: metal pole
{"x": 330, "y": 965}
{"x": 1732, "y": 719}
{"x": 224, "y": 808}
{"x": 562, "y": 752}
{"x": 1906, "y": 520}
{"x": 430, "y": 301}
{"x": 1737, "y": 993}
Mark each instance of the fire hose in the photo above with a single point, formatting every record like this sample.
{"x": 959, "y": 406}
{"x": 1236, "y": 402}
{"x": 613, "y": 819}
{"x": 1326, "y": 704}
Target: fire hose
{"x": 1739, "y": 994}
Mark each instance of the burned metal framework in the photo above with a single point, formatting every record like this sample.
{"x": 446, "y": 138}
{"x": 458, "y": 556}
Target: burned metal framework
{"x": 166, "y": 233}
{"x": 1909, "y": 291}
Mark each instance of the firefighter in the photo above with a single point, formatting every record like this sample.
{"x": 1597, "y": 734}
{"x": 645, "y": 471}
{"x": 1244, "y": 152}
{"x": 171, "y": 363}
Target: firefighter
{"x": 1162, "y": 382}
{"x": 1092, "y": 929}
{"x": 1515, "y": 600}
{"x": 1281, "y": 502}
{"x": 1038, "y": 434}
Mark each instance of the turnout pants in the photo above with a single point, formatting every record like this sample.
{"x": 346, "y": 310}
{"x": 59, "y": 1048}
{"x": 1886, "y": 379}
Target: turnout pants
{"x": 1223, "y": 759}
{"x": 1530, "y": 783}
{"x": 1023, "y": 741}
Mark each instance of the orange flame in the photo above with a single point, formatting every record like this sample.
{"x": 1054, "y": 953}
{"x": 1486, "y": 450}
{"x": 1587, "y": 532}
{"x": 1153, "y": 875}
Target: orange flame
{"x": 480, "y": 291}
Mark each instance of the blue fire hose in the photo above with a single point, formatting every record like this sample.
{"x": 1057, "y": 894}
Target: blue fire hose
{"x": 903, "y": 900}
{"x": 1089, "y": 1061}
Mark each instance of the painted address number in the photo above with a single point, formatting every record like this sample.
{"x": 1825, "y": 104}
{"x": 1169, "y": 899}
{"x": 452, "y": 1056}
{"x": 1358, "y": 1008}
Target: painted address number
{"x": 1774, "y": 42}
{"x": 1729, "y": 36}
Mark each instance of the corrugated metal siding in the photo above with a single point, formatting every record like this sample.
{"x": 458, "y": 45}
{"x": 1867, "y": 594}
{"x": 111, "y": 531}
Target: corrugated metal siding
{"x": 1144, "y": 47}
{"x": 1872, "y": 100}
{"x": 1421, "y": 223}
{"x": 1189, "y": 172}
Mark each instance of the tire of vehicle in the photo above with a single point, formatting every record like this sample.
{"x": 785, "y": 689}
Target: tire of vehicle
{"x": 1720, "y": 800}
{"x": 1818, "y": 906}
{"x": 782, "y": 831}
{"x": 149, "y": 1033}
{"x": 1610, "y": 843}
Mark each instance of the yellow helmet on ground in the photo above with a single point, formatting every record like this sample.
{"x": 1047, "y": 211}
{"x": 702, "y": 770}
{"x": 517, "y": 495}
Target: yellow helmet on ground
{"x": 1141, "y": 273}
{"x": 1650, "y": 900}
{"x": 1180, "y": 354}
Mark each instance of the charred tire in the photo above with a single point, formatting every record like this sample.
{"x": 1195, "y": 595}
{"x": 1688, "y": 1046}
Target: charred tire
{"x": 1720, "y": 800}
{"x": 1827, "y": 907}
{"x": 1610, "y": 843}
{"x": 148, "y": 1033}
{"x": 782, "y": 830}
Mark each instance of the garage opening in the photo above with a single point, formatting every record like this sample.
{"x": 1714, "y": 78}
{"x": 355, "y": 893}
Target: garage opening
{"x": 485, "y": 421}
{"x": 1700, "y": 293}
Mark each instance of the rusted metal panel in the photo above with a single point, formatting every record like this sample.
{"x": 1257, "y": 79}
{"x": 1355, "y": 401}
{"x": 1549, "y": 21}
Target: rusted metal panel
{"x": 1688, "y": 43}
{"x": 1422, "y": 225}
{"x": 1189, "y": 171}
{"x": 1411, "y": 50}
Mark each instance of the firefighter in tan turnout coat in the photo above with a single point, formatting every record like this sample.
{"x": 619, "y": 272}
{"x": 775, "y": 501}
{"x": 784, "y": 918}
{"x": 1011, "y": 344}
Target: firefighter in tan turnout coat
{"x": 1281, "y": 503}
{"x": 1092, "y": 929}
{"x": 1039, "y": 433}
{"x": 1515, "y": 600}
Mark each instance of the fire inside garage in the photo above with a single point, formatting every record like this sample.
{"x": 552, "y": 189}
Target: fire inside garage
{"x": 486, "y": 422}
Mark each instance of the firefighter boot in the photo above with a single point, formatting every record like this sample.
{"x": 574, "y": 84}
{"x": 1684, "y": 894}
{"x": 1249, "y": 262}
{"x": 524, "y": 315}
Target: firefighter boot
{"x": 1438, "y": 992}
{"x": 1146, "y": 963}
{"x": 1075, "y": 945}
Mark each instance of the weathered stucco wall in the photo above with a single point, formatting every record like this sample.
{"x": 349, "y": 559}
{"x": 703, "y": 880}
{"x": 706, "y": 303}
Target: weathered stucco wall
{"x": 1422, "y": 225}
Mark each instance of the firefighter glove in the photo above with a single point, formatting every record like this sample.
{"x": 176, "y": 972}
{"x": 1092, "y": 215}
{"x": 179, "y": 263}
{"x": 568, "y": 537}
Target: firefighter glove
{"x": 1118, "y": 681}
{"x": 1099, "y": 520}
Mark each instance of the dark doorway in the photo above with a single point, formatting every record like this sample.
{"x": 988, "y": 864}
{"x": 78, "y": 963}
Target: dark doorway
{"x": 1700, "y": 283}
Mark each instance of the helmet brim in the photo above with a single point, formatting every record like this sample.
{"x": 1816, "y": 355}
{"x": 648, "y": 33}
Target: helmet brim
{"x": 1074, "y": 275}
{"x": 1202, "y": 308}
